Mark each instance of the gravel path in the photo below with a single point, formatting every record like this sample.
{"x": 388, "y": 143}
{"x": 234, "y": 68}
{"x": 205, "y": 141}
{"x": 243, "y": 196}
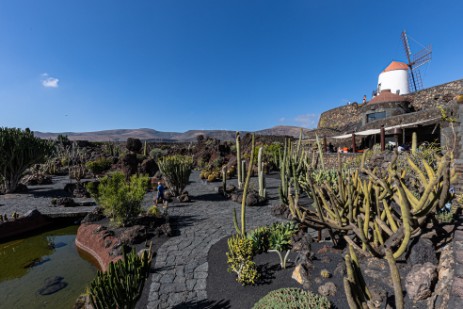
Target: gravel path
{"x": 40, "y": 196}
{"x": 181, "y": 266}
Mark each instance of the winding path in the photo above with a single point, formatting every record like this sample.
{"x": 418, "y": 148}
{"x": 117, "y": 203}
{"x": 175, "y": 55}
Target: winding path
{"x": 181, "y": 266}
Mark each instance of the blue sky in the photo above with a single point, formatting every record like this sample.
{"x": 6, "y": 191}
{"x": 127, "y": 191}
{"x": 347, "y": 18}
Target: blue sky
{"x": 175, "y": 65}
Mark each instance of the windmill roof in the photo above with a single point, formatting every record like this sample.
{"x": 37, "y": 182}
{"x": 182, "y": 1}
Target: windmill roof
{"x": 396, "y": 65}
{"x": 387, "y": 96}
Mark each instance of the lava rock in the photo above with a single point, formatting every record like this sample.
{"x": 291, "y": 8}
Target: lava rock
{"x": 328, "y": 289}
{"x": 423, "y": 252}
{"x": 420, "y": 280}
{"x": 52, "y": 285}
{"x": 133, "y": 235}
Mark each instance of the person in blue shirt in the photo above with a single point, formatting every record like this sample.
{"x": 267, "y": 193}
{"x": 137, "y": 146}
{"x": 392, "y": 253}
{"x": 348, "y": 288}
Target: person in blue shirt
{"x": 160, "y": 194}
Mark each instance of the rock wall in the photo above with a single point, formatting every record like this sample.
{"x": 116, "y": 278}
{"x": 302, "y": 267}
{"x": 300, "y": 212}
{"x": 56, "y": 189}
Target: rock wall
{"x": 433, "y": 96}
{"x": 342, "y": 118}
{"x": 349, "y": 117}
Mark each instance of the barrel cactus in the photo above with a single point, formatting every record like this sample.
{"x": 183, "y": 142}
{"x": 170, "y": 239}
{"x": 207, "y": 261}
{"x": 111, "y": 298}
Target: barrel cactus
{"x": 292, "y": 298}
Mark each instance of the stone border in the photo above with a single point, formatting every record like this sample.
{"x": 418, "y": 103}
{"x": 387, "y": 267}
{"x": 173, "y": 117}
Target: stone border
{"x": 456, "y": 291}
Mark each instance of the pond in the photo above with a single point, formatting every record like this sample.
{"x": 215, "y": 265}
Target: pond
{"x": 26, "y": 264}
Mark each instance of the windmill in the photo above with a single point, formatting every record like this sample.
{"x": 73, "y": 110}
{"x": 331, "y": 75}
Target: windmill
{"x": 414, "y": 62}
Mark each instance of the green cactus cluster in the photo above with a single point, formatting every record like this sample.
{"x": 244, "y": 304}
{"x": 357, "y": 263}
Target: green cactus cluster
{"x": 376, "y": 209}
{"x": 121, "y": 286}
{"x": 239, "y": 259}
{"x": 292, "y": 298}
{"x": 19, "y": 150}
{"x": 292, "y": 167}
{"x": 176, "y": 171}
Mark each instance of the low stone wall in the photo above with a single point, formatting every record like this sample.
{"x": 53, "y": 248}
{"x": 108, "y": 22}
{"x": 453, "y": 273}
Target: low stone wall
{"x": 31, "y": 221}
{"x": 433, "y": 96}
{"x": 93, "y": 239}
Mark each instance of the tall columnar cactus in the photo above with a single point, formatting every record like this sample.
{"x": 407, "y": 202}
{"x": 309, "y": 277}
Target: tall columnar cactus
{"x": 19, "y": 150}
{"x": 224, "y": 180}
{"x": 414, "y": 143}
{"x": 260, "y": 171}
{"x": 238, "y": 159}
{"x": 145, "y": 149}
{"x": 242, "y": 230}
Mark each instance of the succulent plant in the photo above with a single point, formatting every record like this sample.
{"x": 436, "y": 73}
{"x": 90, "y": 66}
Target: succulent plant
{"x": 325, "y": 273}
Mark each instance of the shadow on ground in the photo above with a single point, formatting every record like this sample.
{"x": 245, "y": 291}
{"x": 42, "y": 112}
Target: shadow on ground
{"x": 204, "y": 304}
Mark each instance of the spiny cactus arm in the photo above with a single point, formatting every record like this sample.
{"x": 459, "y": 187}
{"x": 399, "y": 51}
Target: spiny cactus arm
{"x": 411, "y": 198}
{"x": 238, "y": 159}
{"x": 235, "y": 222}
{"x": 325, "y": 204}
{"x": 383, "y": 226}
{"x": 417, "y": 170}
{"x": 428, "y": 169}
{"x": 414, "y": 143}
{"x": 357, "y": 273}
{"x": 405, "y": 210}
{"x": 429, "y": 187}
{"x": 320, "y": 151}
{"x": 395, "y": 276}
{"x": 365, "y": 242}
{"x": 351, "y": 300}
{"x": 390, "y": 218}
{"x": 378, "y": 232}
{"x": 245, "y": 189}
{"x": 366, "y": 208}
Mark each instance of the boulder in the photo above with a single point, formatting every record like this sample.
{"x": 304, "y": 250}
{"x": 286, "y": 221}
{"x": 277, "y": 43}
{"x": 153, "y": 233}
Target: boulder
{"x": 299, "y": 274}
{"x": 420, "y": 281}
{"x": 52, "y": 285}
{"x": 423, "y": 252}
{"x": 133, "y": 235}
{"x": 328, "y": 289}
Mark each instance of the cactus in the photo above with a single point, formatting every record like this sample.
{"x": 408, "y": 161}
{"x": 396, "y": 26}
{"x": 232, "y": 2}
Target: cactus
{"x": 242, "y": 230}
{"x": 19, "y": 151}
{"x": 176, "y": 170}
{"x": 395, "y": 275}
{"x": 414, "y": 143}
{"x": 224, "y": 180}
{"x": 325, "y": 273}
{"x": 122, "y": 284}
{"x": 260, "y": 168}
{"x": 238, "y": 159}
{"x": 145, "y": 150}
{"x": 363, "y": 208}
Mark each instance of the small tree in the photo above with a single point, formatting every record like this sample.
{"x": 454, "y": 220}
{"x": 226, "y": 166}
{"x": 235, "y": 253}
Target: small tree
{"x": 120, "y": 199}
{"x": 19, "y": 150}
{"x": 176, "y": 171}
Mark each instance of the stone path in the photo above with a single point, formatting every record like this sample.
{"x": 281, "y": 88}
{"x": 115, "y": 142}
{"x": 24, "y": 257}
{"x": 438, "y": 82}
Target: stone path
{"x": 181, "y": 264}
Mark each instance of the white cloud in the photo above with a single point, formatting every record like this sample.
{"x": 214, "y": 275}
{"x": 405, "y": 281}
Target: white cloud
{"x": 49, "y": 82}
{"x": 282, "y": 119}
{"x": 307, "y": 120}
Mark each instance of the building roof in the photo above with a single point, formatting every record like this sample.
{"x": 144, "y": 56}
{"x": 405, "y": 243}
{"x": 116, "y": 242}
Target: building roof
{"x": 396, "y": 65}
{"x": 387, "y": 96}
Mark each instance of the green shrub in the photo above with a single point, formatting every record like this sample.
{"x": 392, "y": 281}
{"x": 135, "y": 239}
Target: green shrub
{"x": 99, "y": 166}
{"x": 292, "y": 298}
{"x": 19, "y": 150}
{"x": 239, "y": 259}
{"x": 121, "y": 286}
{"x": 280, "y": 239}
{"x": 120, "y": 199}
{"x": 176, "y": 171}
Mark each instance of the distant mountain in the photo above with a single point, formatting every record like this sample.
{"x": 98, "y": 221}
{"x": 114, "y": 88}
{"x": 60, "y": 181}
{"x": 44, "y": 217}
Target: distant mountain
{"x": 153, "y": 135}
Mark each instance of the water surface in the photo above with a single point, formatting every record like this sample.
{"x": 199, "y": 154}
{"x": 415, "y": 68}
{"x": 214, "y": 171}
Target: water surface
{"x": 26, "y": 263}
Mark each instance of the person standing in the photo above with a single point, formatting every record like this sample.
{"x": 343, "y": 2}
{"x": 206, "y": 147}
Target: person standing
{"x": 160, "y": 194}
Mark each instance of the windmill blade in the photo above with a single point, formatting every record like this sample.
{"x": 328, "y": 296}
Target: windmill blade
{"x": 422, "y": 57}
{"x": 408, "y": 52}
{"x": 415, "y": 81}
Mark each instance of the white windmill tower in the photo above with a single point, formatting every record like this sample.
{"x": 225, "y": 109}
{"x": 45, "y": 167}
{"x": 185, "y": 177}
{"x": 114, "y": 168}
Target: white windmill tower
{"x": 403, "y": 78}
